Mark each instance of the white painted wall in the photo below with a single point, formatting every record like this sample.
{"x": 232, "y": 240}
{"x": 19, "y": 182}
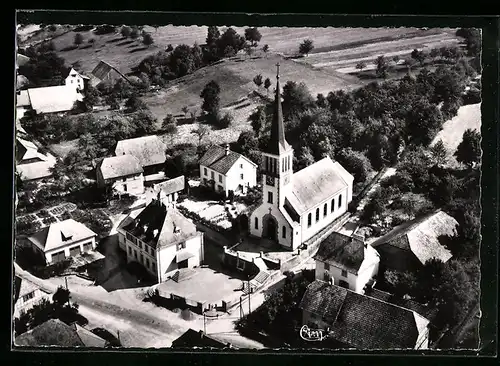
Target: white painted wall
{"x": 232, "y": 179}
{"x": 135, "y": 184}
{"x": 368, "y": 269}
{"x": 76, "y": 82}
{"x": 336, "y": 274}
{"x": 22, "y": 305}
{"x": 48, "y": 254}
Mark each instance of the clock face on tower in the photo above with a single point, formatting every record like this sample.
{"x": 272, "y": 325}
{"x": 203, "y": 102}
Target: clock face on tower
{"x": 269, "y": 180}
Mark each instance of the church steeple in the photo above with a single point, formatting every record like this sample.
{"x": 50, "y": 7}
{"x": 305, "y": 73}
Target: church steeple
{"x": 277, "y": 143}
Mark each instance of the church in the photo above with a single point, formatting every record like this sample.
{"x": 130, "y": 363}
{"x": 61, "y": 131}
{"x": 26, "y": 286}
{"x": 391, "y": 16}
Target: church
{"x": 296, "y": 205}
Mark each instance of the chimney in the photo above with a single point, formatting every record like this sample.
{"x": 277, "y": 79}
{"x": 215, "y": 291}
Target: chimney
{"x": 227, "y": 149}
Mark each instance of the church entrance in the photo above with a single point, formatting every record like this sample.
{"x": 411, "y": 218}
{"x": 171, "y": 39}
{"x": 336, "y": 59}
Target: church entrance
{"x": 270, "y": 229}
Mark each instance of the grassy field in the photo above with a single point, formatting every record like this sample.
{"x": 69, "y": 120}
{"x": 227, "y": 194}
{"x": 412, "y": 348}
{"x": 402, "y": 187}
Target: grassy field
{"x": 469, "y": 116}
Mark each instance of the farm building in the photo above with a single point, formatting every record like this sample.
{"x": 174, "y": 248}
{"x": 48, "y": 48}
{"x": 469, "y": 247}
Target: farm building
{"x": 224, "y": 170}
{"x": 297, "y": 205}
{"x": 123, "y": 172}
{"x": 51, "y": 99}
{"x": 26, "y": 295}
{"x": 149, "y": 150}
{"x": 105, "y": 72}
{"x": 30, "y": 163}
{"x": 168, "y": 192}
{"x": 357, "y": 321}
{"x": 409, "y": 245}
{"x": 62, "y": 240}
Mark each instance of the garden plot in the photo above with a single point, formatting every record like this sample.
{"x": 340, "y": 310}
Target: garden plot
{"x": 214, "y": 212}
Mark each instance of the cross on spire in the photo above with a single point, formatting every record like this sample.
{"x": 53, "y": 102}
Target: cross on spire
{"x": 277, "y": 70}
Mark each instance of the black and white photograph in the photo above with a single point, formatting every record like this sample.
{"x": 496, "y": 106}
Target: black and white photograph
{"x": 232, "y": 187}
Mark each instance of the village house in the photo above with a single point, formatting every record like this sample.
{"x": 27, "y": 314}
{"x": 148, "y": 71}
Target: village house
{"x": 296, "y": 206}
{"x": 54, "y": 332}
{"x": 104, "y": 72}
{"x": 357, "y": 321}
{"x": 168, "y": 192}
{"x": 23, "y": 103}
{"x": 149, "y": 150}
{"x": 123, "y": 172}
{"x": 31, "y": 165}
{"x": 50, "y": 99}
{"x": 26, "y": 295}
{"x": 62, "y": 239}
{"x": 410, "y": 245}
{"x": 224, "y": 171}
{"x": 346, "y": 261}
{"x": 192, "y": 338}
{"x": 162, "y": 240}
{"x": 76, "y": 80}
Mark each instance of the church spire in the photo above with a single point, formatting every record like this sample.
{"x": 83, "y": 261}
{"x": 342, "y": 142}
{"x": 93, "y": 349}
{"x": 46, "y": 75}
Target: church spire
{"x": 277, "y": 143}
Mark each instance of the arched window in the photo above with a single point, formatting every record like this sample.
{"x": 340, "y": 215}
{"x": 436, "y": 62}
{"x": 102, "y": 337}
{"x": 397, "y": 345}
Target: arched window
{"x": 340, "y": 200}
{"x": 309, "y": 219}
{"x": 317, "y": 214}
{"x": 333, "y": 205}
{"x": 325, "y": 210}
{"x": 284, "y": 232}
{"x": 256, "y": 223}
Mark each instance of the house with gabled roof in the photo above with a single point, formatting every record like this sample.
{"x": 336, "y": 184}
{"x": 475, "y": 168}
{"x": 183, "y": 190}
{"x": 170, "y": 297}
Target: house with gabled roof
{"x": 149, "y": 150}
{"x": 192, "y": 338}
{"x": 53, "y": 99}
{"x": 168, "y": 191}
{"x": 105, "y": 72}
{"x": 410, "y": 245}
{"x": 26, "y": 295}
{"x": 32, "y": 165}
{"x": 56, "y": 333}
{"x": 76, "y": 80}
{"x": 296, "y": 205}
{"x": 353, "y": 320}
{"x": 224, "y": 170}
{"x": 162, "y": 240}
{"x": 123, "y": 172}
{"x": 346, "y": 261}
{"x": 62, "y": 239}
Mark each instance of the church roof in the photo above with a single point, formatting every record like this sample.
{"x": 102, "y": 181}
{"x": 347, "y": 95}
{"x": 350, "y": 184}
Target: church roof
{"x": 317, "y": 183}
{"x": 277, "y": 143}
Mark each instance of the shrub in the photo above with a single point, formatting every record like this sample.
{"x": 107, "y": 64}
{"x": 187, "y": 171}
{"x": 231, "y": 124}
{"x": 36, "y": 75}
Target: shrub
{"x": 105, "y": 29}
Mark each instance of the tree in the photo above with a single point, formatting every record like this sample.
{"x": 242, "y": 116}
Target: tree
{"x": 229, "y": 39}
{"x": 185, "y": 110}
{"x": 374, "y": 208}
{"x": 92, "y": 97}
{"x": 258, "y": 80}
{"x": 248, "y": 50}
{"x": 253, "y": 36}
{"x": 361, "y": 65}
{"x": 61, "y": 296}
{"x": 423, "y": 122}
{"x": 78, "y": 40}
{"x": 134, "y": 33}
{"x": 169, "y": 124}
{"x": 258, "y": 120}
{"x": 201, "y": 131}
{"x": 147, "y": 39}
{"x": 296, "y": 98}
{"x": 169, "y": 48}
{"x": 356, "y": 163}
{"x": 267, "y": 84}
{"x": 419, "y": 56}
{"x": 469, "y": 150}
{"x": 439, "y": 153}
{"x": 265, "y": 48}
{"x": 213, "y": 35}
{"x": 226, "y": 120}
{"x": 125, "y": 31}
{"x": 144, "y": 122}
{"x": 135, "y": 104}
{"x": 395, "y": 59}
{"x": 211, "y": 98}
{"x": 321, "y": 101}
{"x": 434, "y": 53}
{"x": 382, "y": 66}
{"x": 247, "y": 143}
{"x": 305, "y": 157}
{"x": 306, "y": 47}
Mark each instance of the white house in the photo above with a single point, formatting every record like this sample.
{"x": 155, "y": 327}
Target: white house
{"x": 224, "y": 170}
{"x": 124, "y": 172}
{"x": 62, "y": 240}
{"x": 162, "y": 240}
{"x": 53, "y": 99}
{"x": 26, "y": 295}
{"x": 32, "y": 165}
{"x": 298, "y": 205}
{"x": 23, "y": 103}
{"x": 149, "y": 150}
{"x": 168, "y": 192}
{"x": 76, "y": 80}
{"x": 346, "y": 261}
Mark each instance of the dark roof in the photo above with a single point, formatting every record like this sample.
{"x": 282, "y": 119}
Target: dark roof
{"x": 215, "y": 158}
{"x": 192, "y": 338}
{"x": 102, "y": 70}
{"x": 342, "y": 251}
{"x": 421, "y": 236}
{"x": 87, "y": 337}
{"x": 171, "y": 225}
{"x": 51, "y": 333}
{"x": 172, "y": 185}
{"x": 277, "y": 143}
{"x": 17, "y": 287}
{"x": 363, "y": 322}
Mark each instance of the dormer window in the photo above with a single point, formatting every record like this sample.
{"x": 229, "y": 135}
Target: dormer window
{"x": 66, "y": 236}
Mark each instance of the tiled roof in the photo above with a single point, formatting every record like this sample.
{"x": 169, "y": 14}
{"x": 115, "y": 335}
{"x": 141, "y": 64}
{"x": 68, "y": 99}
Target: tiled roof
{"x": 171, "y": 225}
{"x": 23, "y": 99}
{"x": 363, "y": 322}
{"x": 51, "y": 333}
{"x": 51, "y": 99}
{"x": 171, "y": 186}
{"x": 216, "y": 159}
{"x": 342, "y": 251}
{"x": 192, "y": 338}
{"x": 36, "y": 170}
{"x": 51, "y": 237}
{"x": 101, "y": 70}
{"x": 421, "y": 236}
{"x": 25, "y": 286}
{"x": 149, "y": 150}
{"x": 119, "y": 166}
{"x": 316, "y": 183}
{"x": 88, "y": 338}
{"x": 22, "y": 59}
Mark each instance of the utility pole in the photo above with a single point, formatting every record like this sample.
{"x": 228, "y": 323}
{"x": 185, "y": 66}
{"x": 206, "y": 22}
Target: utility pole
{"x": 249, "y": 295}
{"x": 118, "y": 336}
{"x": 241, "y": 309}
{"x": 66, "y": 282}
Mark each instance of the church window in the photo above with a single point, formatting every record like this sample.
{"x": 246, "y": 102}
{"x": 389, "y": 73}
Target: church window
{"x": 284, "y": 232}
{"x": 256, "y": 223}
{"x": 340, "y": 200}
{"x": 325, "y": 210}
{"x": 317, "y": 214}
{"x": 288, "y": 162}
{"x": 333, "y": 205}
{"x": 269, "y": 197}
{"x": 282, "y": 165}
{"x": 309, "y": 219}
